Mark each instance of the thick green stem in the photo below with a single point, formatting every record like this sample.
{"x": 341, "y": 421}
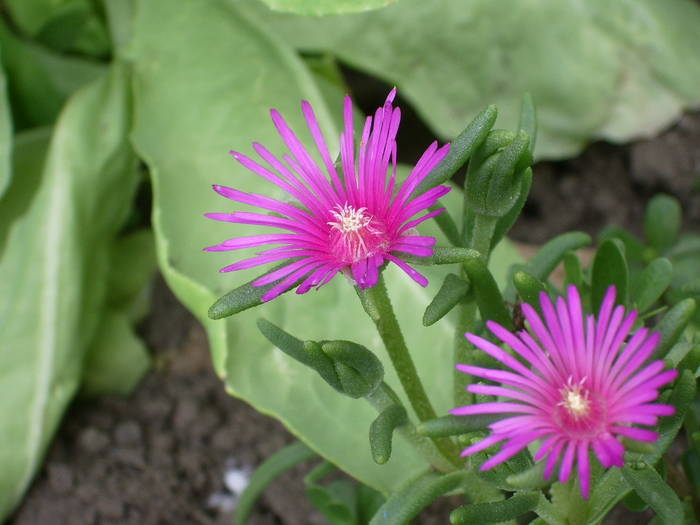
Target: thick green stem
{"x": 382, "y": 398}
{"x": 463, "y": 350}
{"x": 378, "y": 306}
{"x": 481, "y": 235}
{"x": 482, "y": 228}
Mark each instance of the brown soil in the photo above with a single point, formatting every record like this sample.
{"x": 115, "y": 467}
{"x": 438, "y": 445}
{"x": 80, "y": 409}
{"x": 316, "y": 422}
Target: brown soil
{"x": 160, "y": 456}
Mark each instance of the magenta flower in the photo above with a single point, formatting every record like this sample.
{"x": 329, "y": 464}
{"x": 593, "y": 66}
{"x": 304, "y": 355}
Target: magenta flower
{"x": 586, "y": 386}
{"x": 351, "y": 221}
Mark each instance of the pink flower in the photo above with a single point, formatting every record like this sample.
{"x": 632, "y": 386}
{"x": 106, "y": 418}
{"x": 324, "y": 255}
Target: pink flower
{"x": 586, "y": 386}
{"x": 351, "y": 221}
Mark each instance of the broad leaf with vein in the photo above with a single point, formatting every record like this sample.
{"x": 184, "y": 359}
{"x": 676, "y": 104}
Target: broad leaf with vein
{"x": 56, "y": 223}
{"x": 205, "y": 78}
{"x": 597, "y": 69}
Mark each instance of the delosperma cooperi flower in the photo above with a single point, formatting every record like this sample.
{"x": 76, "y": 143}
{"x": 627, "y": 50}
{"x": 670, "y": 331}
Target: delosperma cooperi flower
{"x": 585, "y": 384}
{"x": 352, "y": 219}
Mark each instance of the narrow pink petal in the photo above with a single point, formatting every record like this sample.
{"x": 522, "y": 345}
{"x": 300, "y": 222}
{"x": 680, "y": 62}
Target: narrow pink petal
{"x": 288, "y": 282}
{"x": 500, "y": 376}
{"x": 482, "y": 445}
{"x": 280, "y": 273}
{"x": 412, "y": 273}
{"x": 254, "y": 240}
{"x": 546, "y": 446}
{"x": 493, "y": 408}
{"x": 638, "y": 434}
{"x": 490, "y": 390}
{"x": 567, "y": 462}
{"x": 584, "y": 469}
{"x": 317, "y": 135}
{"x": 510, "y": 449}
{"x": 602, "y": 453}
{"x": 314, "y": 278}
{"x": 416, "y": 222}
{"x": 553, "y": 458}
{"x": 309, "y": 170}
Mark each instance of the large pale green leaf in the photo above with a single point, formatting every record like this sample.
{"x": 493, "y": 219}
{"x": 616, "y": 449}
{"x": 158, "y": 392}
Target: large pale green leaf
{"x": 325, "y": 7}
{"x": 5, "y": 133}
{"x": 205, "y": 78}
{"x": 63, "y": 25}
{"x": 56, "y": 222}
{"x": 39, "y": 80}
{"x": 117, "y": 358}
{"x": 615, "y": 70}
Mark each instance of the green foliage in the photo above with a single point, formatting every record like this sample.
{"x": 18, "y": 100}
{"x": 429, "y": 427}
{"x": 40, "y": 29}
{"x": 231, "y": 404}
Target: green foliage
{"x": 414, "y": 496}
{"x": 382, "y": 430}
{"x": 496, "y": 512}
{"x": 326, "y": 7}
{"x": 117, "y": 360}
{"x": 342, "y": 502}
{"x": 455, "y": 425}
{"x": 5, "y": 134}
{"x": 655, "y": 491}
{"x": 451, "y": 292}
{"x": 609, "y": 268}
{"x": 662, "y": 222}
{"x": 589, "y": 66}
{"x": 274, "y": 466}
{"x": 54, "y": 249}
{"x": 40, "y": 80}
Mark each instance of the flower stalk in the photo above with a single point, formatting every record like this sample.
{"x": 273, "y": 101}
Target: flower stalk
{"x": 377, "y": 304}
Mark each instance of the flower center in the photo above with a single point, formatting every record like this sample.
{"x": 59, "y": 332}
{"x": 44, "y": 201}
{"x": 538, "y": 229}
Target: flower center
{"x": 355, "y": 234}
{"x": 580, "y": 412}
{"x": 575, "y": 399}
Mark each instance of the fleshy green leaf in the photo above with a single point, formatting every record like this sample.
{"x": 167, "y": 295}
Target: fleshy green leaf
{"x": 610, "y": 489}
{"x": 681, "y": 397}
{"x": 529, "y": 288}
{"x": 488, "y": 296}
{"x": 609, "y": 268}
{"x": 266, "y": 473}
{"x": 382, "y": 430}
{"x": 651, "y": 283}
{"x": 662, "y": 222}
{"x": 461, "y": 149}
{"x": 326, "y": 7}
{"x": 655, "y": 491}
{"x": 56, "y": 223}
{"x": 496, "y": 512}
{"x": 615, "y": 70}
{"x": 452, "y": 291}
{"x": 542, "y": 264}
{"x": 455, "y": 425}
{"x": 672, "y": 325}
{"x": 414, "y": 496}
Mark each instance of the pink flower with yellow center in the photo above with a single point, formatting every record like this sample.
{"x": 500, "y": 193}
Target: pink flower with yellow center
{"x": 352, "y": 219}
{"x": 588, "y": 383}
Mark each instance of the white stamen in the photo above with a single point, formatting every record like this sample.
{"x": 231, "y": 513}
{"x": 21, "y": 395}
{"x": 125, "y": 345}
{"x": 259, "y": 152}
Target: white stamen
{"x": 355, "y": 227}
{"x": 575, "y": 398}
